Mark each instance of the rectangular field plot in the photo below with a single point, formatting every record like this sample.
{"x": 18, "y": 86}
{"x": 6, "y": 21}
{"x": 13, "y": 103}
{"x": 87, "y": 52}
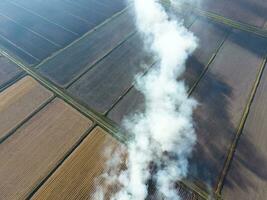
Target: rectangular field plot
{"x": 222, "y": 95}
{"x": 73, "y": 61}
{"x": 37, "y": 147}
{"x": 100, "y": 87}
{"x": 18, "y": 102}
{"x": 247, "y": 176}
{"x": 210, "y": 37}
{"x": 8, "y": 71}
{"x": 246, "y": 11}
{"x": 76, "y": 177}
{"x": 36, "y": 24}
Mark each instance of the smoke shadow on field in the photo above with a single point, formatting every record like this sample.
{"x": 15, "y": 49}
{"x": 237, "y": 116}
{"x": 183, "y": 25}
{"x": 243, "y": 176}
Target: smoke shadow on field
{"x": 247, "y": 158}
{"x": 214, "y": 128}
{"x": 216, "y": 131}
{"x": 213, "y": 121}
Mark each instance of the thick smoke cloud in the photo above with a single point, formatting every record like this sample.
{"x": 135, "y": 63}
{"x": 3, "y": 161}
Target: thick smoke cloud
{"x": 163, "y": 135}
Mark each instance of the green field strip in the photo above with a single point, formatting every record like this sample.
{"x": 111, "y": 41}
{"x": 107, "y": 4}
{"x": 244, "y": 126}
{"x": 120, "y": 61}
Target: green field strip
{"x": 36, "y": 14}
{"x": 224, "y": 20}
{"x": 18, "y": 47}
{"x": 88, "y": 68}
{"x": 234, "y": 144}
{"x": 70, "y": 151}
{"x": 10, "y": 133}
{"x": 32, "y": 31}
{"x": 83, "y": 36}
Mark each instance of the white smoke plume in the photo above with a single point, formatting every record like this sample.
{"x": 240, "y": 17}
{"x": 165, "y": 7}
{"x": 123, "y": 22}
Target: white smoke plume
{"x": 163, "y": 135}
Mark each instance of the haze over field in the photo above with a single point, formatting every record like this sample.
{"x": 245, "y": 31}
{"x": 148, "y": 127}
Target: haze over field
{"x": 163, "y": 135}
